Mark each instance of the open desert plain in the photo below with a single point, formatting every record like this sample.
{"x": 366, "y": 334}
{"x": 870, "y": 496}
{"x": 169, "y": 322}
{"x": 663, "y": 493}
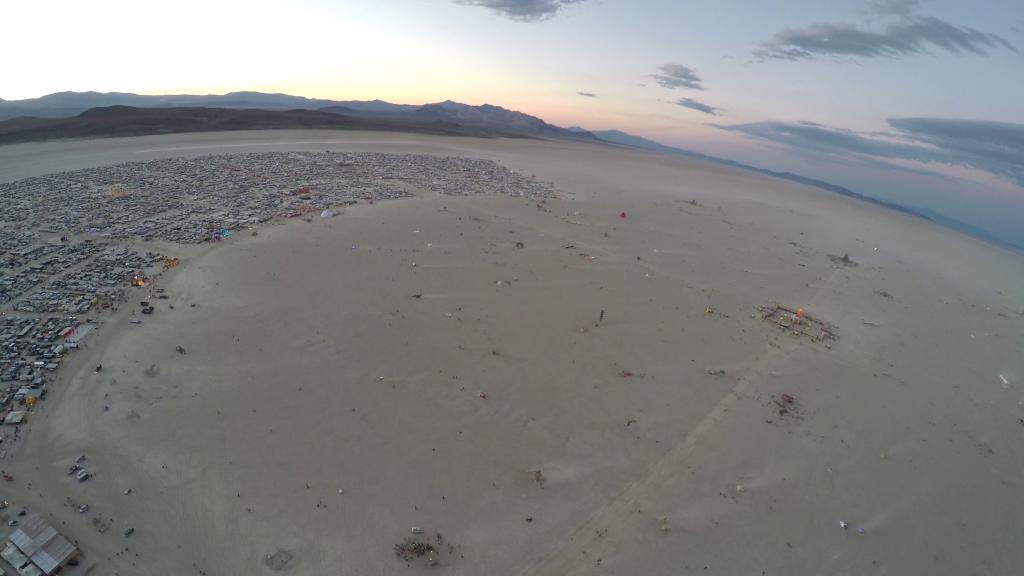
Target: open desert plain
{"x": 644, "y": 365}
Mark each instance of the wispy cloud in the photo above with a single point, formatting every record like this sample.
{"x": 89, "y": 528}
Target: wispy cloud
{"x": 587, "y": 94}
{"x": 698, "y": 106}
{"x": 906, "y": 34}
{"x": 993, "y": 147}
{"x": 522, "y": 10}
{"x": 674, "y": 76}
{"x": 892, "y": 7}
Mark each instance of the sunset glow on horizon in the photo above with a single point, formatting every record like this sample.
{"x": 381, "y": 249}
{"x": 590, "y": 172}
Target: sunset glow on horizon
{"x": 805, "y": 85}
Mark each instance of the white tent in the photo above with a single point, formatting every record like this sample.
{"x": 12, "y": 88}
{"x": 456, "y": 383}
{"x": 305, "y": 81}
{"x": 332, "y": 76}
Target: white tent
{"x": 328, "y": 213}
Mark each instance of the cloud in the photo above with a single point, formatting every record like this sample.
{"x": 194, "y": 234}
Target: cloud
{"x": 811, "y": 136}
{"x": 892, "y": 7}
{"x": 993, "y": 147}
{"x": 698, "y": 106}
{"x": 522, "y": 10}
{"x": 909, "y": 36}
{"x": 587, "y": 94}
{"x": 674, "y": 76}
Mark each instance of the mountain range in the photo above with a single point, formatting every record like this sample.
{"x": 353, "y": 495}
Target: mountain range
{"x": 499, "y": 120}
{"x": 62, "y": 104}
{"x": 93, "y": 114}
{"x": 119, "y": 120}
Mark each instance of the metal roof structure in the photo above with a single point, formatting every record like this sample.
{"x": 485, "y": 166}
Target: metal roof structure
{"x": 43, "y": 545}
{"x": 22, "y": 565}
{"x": 13, "y": 556}
{"x": 16, "y": 417}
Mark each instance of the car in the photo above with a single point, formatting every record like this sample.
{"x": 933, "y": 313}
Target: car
{"x": 83, "y": 475}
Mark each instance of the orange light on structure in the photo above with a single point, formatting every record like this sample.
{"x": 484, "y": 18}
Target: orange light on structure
{"x": 138, "y": 281}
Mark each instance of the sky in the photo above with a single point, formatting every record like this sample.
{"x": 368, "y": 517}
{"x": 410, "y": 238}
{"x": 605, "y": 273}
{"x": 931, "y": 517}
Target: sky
{"x": 915, "y": 101}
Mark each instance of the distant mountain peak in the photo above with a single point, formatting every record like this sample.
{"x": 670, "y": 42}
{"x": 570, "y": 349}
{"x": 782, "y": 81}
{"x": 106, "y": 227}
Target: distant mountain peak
{"x": 254, "y": 93}
{"x": 449, "y": 105}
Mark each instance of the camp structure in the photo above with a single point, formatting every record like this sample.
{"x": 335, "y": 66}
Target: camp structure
{"x": 38, "y": 548}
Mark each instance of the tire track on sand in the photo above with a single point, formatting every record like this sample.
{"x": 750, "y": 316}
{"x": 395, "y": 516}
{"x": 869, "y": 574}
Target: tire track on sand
{"x": 570, "y": 558}
{"x": 586, "y": 541}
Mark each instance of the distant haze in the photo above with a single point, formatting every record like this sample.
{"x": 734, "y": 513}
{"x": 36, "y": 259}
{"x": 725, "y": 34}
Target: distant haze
{"x": 916, "y": 102}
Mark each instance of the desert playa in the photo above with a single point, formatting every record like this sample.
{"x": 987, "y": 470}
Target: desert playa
{"x": 595, "y": 382}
